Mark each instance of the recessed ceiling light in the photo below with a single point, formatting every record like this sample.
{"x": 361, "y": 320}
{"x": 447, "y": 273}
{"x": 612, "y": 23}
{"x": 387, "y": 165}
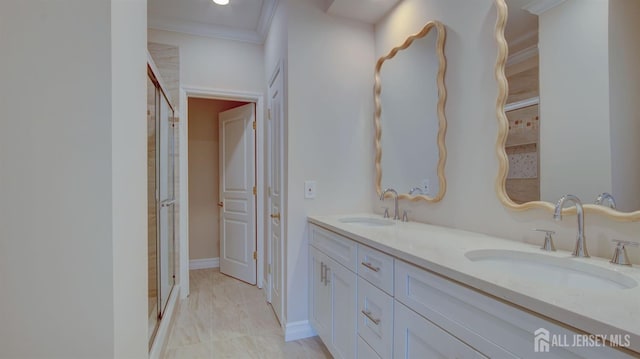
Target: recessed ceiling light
{"x": 221, "y": 2}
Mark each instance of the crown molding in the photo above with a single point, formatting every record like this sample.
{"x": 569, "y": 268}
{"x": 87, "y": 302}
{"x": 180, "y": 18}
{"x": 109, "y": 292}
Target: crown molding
{"x": 538, "y": 7}
{"x": 257, "y": 36}
{"x": 266, "y": 17}
{"x": 207, "y": 30}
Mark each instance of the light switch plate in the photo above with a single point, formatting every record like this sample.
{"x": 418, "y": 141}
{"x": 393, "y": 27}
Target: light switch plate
{"x": 309, "y": 189}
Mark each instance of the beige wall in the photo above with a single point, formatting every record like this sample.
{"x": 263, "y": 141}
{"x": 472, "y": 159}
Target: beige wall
{"x": 472, "y": 165}
{"x": 204, "y": 240}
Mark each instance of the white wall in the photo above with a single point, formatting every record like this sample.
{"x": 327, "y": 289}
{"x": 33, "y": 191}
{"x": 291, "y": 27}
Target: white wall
{"x": 216, "y": 63}
{"x": 471, "y": 202}
{"x": 73, "y": 179}
{"x": 574, "y": 113}
{"x": 330, "y": 129}
{"x": 624, "y": 52}
{"x": 129, "y": 176}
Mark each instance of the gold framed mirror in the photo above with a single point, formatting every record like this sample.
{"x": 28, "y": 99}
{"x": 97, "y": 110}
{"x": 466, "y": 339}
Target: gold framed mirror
{"x": 559, "y": 126}
{"x": 410, "y": 123}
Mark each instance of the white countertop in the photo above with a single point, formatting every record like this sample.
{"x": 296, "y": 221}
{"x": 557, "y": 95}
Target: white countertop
{"x": 442, "y": 250}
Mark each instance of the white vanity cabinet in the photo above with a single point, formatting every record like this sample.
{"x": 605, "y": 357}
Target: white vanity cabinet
{"x": 333, "y": 291}
{"x": 492, "y": 327}
{"x": 365, "y": 303}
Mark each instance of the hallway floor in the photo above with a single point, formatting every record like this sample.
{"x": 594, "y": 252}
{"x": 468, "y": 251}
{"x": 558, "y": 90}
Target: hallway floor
{"x": 227, "y": 318}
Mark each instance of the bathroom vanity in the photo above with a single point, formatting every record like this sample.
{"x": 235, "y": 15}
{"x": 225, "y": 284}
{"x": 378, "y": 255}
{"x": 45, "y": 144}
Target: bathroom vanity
{"x": 386, "y": 289}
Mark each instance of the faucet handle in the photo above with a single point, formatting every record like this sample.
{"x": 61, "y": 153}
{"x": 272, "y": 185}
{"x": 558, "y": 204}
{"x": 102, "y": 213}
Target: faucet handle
{"x": 548, "y": 239}
{"x": 620, "y": 252}
{"x": 405, "y": 216}
{"x": 386, "y": 212}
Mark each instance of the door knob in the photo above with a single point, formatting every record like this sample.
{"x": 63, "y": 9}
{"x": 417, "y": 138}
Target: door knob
{"x": 275, "y": 216}
{"x": 220, "y": 204}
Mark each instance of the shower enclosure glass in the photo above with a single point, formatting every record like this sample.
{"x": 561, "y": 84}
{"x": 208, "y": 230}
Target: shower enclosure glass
{"x": 161, "y": 201}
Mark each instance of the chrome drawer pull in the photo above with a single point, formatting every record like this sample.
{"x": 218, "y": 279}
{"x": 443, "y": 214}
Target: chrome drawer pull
{"x": 368, "y": 315}
{"x": 370, "y": 266}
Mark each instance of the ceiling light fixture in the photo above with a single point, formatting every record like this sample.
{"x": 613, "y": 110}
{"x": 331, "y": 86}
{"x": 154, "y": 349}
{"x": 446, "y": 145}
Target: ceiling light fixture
{"x": 221, "y": 2}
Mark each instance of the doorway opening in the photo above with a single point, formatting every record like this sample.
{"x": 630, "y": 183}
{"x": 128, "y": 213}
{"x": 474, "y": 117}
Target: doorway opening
{"x": 229, "y": 101}
{"x": 223, "y": 186}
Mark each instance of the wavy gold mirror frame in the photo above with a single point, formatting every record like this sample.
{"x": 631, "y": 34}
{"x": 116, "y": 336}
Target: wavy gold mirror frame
{"x": 503, "y": 132}
{"x": 442, "y": 122}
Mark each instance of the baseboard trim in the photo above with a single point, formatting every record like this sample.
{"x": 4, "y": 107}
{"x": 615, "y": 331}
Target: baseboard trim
{"x": 298, "y": 330}
{"x": 162, "y": 336}
{"x": 204, "y": 263}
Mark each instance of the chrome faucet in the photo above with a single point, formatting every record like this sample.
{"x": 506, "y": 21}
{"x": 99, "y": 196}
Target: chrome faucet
{"x": 608, "y": 197}
{"x": 396, "y": 215}
{"x": 581, "y": 245}
{"x": 620, "y": 253}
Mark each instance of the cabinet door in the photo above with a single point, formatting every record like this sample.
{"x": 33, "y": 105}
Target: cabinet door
{"x": 344, "y": 310}
{"x": 418, "y": 338}
{"x": 319, "y": 295}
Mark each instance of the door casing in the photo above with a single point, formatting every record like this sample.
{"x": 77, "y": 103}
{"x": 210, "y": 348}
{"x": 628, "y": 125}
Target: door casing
{"x": 219, "y": 94}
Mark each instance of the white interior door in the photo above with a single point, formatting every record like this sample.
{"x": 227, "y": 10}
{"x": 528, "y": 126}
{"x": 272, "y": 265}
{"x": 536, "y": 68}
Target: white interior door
{"x": 275, "y": 174}
{"x": 237, "y": 181}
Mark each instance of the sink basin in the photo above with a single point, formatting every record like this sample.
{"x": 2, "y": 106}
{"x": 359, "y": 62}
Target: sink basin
{"x": 549, "y": 270}
{"x": 368, "y": 221}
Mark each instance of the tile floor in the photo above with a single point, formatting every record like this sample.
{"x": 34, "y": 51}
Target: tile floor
{"x": 227, "y": 318}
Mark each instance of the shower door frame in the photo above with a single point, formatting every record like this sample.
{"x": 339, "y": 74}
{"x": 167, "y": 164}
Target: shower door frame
{"x": 161, "y": 309}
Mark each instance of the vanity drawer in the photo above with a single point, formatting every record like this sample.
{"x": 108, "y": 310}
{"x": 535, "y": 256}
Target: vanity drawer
{"x": 339, "y": 248}
{"x": 416, "y": 337}
{"x": 375, "y": 318}
{"x": 376, "y": 267}
{"x": 365, "y": 351}
{"x": 493, "y": 327}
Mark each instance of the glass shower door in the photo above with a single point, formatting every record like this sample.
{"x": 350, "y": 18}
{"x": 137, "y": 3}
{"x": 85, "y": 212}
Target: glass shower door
{"x": 161, "y": 154}
{"x": 167, "y": 202}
